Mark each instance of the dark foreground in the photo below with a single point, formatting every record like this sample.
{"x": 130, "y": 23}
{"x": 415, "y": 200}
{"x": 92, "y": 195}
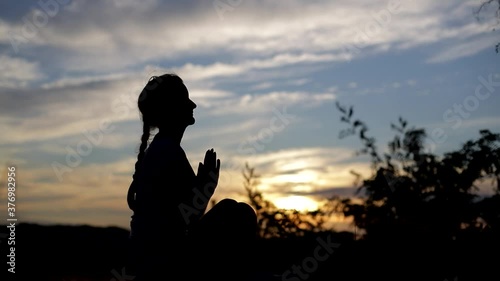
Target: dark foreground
{"x": 73, "y": 253}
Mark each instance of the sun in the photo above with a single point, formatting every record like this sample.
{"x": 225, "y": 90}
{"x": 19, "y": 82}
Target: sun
{"x": 299, "y": 203}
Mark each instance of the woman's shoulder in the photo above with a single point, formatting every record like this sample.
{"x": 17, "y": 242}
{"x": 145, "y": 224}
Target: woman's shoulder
{"x": 164, "y": 148}
{"x": 164, "y": 144}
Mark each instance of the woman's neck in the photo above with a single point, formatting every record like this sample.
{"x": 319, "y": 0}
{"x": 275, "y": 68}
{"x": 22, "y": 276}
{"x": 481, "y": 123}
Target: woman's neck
{"x": 174, "y": 135}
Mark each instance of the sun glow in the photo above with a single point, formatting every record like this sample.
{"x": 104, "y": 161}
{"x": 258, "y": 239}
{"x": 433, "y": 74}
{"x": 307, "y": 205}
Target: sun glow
{"x": 299, "y": 203}
{"x": 304, "y": 176}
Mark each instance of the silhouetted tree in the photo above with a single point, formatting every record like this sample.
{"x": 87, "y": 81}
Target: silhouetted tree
{"x": 416, "y": 193}
{"x": 484, "y": 5}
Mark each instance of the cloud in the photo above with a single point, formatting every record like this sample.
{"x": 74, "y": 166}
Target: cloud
{"x": 226, "y": 131}
{"x": 262, "y": 86}
{"x": 18, "y": 72}
{"x": 464, "y": 48}
{"x": 72, "y": 106}
{"x": 195, "y": 73}
{"x": 59, "y": 112}
{"x": 69, "y": 82}
{"x": 411, "y": 82}
{"x": 103, "y": 186}
{"x": 108, "y": 36}
{"x": 301, "y": 170}
{"x": 252, "y": 104}
{"x": 481, "y": 123}
{"x": 85, "y": 187}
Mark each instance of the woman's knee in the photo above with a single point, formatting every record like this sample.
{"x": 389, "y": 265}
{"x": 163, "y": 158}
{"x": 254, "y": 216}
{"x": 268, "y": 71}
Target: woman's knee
{"x": 246, "y": 211}
{"x": 233, "y": 212}
{"x": 226, "y": 202}
{"x": 240, "y": 208}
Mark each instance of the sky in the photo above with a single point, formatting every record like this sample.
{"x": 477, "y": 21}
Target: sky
{"x": 265, "y": 76}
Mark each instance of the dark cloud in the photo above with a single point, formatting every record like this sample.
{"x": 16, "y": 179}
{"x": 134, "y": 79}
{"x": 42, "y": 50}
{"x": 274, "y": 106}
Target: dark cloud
{"x": 13, "y": 11}
{"x": 46, "y": 198}
{"x": 328, "y": 192}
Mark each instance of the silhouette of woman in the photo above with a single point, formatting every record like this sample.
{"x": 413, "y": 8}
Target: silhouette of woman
{"x": 171, "y": 232}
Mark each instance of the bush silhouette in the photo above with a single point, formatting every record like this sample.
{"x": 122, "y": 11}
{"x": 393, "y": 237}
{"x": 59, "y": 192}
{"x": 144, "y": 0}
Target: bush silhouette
{"x": 417, "y": 193}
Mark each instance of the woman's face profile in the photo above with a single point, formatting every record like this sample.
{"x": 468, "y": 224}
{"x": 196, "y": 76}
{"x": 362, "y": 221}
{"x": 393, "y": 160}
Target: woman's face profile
{"x": 189, "y": 107}
{"x": 181, "y": 107}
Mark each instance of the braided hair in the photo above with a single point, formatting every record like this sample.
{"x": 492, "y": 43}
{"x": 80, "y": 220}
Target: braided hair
{"x": 150, "y": 100}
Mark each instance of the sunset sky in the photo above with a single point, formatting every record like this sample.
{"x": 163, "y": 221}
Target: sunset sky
{"x": 264, "y": 74}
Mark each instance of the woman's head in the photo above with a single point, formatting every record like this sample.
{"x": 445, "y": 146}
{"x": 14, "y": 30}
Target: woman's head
{"x": 165, "y": 102}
